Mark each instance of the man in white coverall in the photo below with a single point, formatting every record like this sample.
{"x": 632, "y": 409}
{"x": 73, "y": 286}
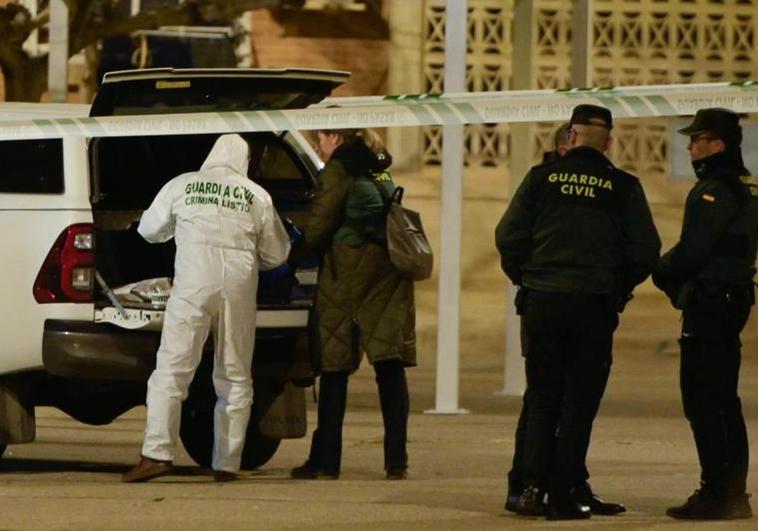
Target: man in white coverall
{"x": 226, "y": 229}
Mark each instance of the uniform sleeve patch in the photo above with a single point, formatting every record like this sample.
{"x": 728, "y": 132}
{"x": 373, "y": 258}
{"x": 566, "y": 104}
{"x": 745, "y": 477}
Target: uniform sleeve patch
{"x": 709, "y": 198}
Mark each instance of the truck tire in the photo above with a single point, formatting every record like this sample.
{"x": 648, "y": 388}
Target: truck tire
{"x": 196, "y": 433}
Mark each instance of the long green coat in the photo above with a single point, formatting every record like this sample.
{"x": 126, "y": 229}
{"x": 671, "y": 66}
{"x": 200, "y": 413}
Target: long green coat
{"x": 362, "y": 304}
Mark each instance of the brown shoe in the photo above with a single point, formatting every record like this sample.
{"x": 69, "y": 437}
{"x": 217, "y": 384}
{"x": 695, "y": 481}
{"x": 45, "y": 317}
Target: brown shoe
{"x": 222, "y": 476}
{"x": 147, "y": 469}
{"x": 306, "y": 471}
{"x": 397, "y": 473}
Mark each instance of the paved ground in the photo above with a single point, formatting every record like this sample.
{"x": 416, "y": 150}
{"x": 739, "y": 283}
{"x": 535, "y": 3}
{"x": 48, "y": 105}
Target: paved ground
{"x": 642, "y": 455}
{"x": 642, "y": 452}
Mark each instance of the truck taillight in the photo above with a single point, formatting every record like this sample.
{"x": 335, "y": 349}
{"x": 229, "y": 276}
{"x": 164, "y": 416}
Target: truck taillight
{"x": 68, "y": 272}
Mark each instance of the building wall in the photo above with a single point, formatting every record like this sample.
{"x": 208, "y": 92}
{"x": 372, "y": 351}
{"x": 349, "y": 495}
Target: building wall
{"x": 635, "y": 42}
{"x": 367, "y": 60}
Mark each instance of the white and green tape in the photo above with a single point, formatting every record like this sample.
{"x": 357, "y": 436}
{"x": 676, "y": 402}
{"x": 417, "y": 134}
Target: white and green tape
{"x": 409, "y": 110}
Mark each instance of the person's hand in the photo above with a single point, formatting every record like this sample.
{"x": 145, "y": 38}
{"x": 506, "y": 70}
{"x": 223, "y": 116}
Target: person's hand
{"x": 294, "y": 232}
{"x": 274, "y": 277}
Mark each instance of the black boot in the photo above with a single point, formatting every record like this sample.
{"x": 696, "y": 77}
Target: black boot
{"x": 530, "y": 503}
{"x": 583, "y": 495}
{"x": 706, "y": 505}
{"x": 512, "y": 498}
{"x": 738, "y": 507}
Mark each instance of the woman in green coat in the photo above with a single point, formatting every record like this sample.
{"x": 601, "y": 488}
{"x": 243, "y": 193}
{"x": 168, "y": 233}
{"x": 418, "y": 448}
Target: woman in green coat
{"x": 362, "y": 304}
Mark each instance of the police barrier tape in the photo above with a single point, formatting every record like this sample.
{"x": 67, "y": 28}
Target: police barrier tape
{"x": 408, "y": 110}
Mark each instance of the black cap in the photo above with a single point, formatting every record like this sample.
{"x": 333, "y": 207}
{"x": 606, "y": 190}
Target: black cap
{"x": 721, "y": 123}
{"x": 587, "y": 114}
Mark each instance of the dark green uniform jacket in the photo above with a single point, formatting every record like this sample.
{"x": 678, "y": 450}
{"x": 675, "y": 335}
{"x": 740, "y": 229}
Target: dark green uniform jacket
{"x": 362, "y": 304}
{"x": 720, "y": 229}
{"x": 578, "y": 225}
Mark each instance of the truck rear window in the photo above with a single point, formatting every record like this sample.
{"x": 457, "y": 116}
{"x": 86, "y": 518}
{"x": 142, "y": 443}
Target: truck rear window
{"x": 31, "y": 166}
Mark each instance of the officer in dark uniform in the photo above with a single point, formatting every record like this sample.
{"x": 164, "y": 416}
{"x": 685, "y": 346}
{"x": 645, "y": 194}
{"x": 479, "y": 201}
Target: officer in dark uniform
{"x": 515, "y": 475}
{"x": 581, "y": 489}
{"x": 577, "y": 238}
{"x": 708, "y": 274}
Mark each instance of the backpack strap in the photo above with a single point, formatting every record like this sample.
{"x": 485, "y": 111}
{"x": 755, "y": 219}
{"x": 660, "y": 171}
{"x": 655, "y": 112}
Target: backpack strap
{"x": 395, "y": 197}
{"x": 387, "y": 201}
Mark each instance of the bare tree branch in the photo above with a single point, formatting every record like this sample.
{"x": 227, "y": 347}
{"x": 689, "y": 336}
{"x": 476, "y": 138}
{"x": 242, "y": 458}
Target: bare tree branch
{"x": 42, "y": 19}
{"x": 91, "y": 21}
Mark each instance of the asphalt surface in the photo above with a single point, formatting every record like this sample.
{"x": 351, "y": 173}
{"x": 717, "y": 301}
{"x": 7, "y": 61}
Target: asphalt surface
{"x": 642, "y": 455}
{"x": 642, "y": 452}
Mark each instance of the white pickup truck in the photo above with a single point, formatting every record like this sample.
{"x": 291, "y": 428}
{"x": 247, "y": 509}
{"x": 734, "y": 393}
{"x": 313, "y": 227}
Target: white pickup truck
{"x": 68, "y": 211}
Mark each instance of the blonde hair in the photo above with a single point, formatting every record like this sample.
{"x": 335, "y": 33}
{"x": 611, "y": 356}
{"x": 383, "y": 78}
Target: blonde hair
{"x": 593, "y": 136}
{"x": 370, "y": 137}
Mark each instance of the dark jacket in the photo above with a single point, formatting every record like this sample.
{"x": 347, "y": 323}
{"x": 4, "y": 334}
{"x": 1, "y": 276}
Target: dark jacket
{"x": 578, "y": 225}
{"x": 720, "y": 229}
{"x": 362, "y": 303}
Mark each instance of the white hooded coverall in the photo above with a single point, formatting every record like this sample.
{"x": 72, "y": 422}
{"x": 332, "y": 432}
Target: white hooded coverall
{"x": 226, "y": 229}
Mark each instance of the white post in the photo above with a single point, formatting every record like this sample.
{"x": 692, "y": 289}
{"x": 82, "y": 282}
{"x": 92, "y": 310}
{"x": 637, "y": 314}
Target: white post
{"x": 524, "y": 39}
{"x": 244, "y": 50}
{"x": 581, "y": 43}
{"x": 136, "y": 7}
{"x": 31, "y": 45}
{"x": 524, "y": 59}
{"x": 57, "y": 69}
{"x": 448, "y": 339}
{"x": 405, "y": 76}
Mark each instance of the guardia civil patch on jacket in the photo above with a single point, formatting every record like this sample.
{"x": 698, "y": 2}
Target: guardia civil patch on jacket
{"x": 708, "y": 197}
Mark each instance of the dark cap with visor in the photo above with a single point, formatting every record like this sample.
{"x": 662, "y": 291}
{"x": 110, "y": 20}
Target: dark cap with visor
{"x": 721, "y": 123}
{"x": 587, "y": 114}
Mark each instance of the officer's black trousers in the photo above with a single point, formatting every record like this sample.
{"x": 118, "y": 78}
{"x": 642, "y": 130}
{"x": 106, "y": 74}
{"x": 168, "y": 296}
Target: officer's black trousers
{"x": 326, "y": 445}
{"x": 569, "y": 338}
{"x": 709, "y": 375}
{"x": 516, "y": 473}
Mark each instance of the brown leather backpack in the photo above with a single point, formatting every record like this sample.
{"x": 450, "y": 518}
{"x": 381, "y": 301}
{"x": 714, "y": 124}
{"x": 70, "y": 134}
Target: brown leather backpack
{"x": 407, "y": 243}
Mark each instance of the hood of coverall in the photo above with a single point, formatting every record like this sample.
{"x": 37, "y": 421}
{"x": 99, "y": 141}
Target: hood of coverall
{"x": 229, "y": 151}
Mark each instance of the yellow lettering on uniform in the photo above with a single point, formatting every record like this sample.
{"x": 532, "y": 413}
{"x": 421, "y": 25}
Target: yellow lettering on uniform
{"x": 565, "y": 189}
{"x": 608, "y": 185}
{"x": 592, "y": 181}
{"x": 751, "y": 182}
{"x": 583, "y": 179}
{"x": 573, "y": 178}
{"x": 552, "y": 177}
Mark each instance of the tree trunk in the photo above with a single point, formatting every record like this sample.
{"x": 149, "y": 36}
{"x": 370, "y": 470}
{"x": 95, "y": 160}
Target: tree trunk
{"x": 25, "y": 77}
